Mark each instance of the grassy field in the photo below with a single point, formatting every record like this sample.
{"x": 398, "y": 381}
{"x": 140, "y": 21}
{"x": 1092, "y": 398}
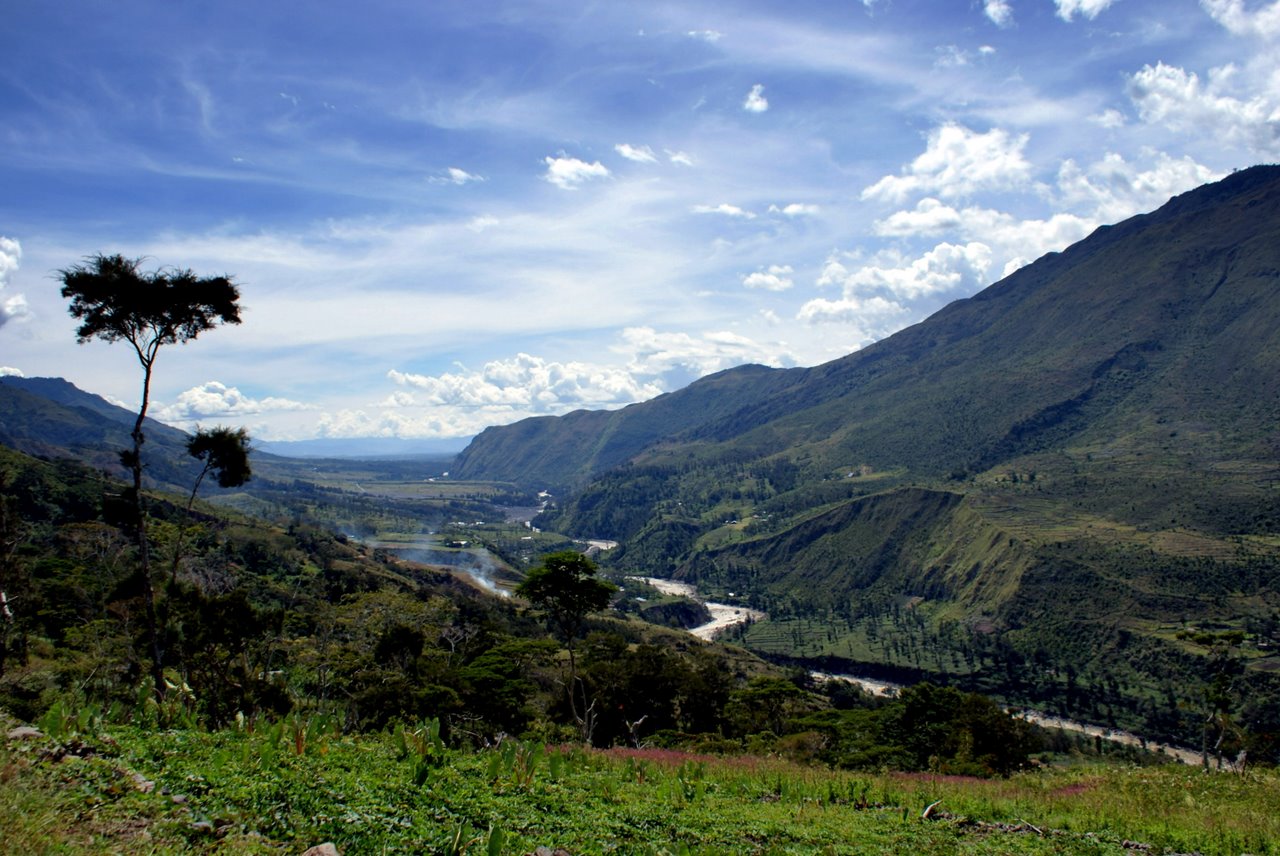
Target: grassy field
{"x": 283, "y": 788}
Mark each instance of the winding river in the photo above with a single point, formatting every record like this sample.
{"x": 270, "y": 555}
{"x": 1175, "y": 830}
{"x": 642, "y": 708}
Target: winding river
{"x": 724, "y": 616}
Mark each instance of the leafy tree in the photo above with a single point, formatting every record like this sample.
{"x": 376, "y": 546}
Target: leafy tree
{"x": 225, "y": 453}
{"x": 115, "y": 300}
{"x": 565, "y": 585}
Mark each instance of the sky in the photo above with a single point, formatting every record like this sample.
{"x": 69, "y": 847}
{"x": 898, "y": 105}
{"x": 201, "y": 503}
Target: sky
{"x": 448, "y": 215}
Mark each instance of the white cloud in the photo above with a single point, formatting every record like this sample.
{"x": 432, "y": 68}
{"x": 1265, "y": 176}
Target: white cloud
{"x": 454, "y": 175}
{"x": 568, "y": 173}
{"x": 1173, "y": 97}
{"x": 530, "y": 384}
{"x": 795, "y": 209}
{"x": 639, "y": 154}
{"x": 999, "y": 12}
{"x": 959, "y": 162}
{"x": 1067, "y": 9}
{"x": 875, "y": 315}
{"x": 725, "y": 209}
{"x": 10, "y": 371}
{"x": 681, "y": 357}
{"x": 479, "y": 224}
{"x": 10, "y": 260}
{"x": 945, "y": 268}
{"x": 755, "y": 101}
{"x": 776, "y": 278}
{"x": 1232, "y": 15}
{"x": 1113, "y": 189}
{"x": 217, "y": 400}
{"x": 710, "y": 36}
{"x": 930, "y": 217}
{"x": 395, "y": 423}
{"x": 679, "y": 158}
{"x": 1109, "y": 118}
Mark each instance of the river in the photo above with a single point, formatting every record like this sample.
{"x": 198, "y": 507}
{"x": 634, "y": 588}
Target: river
{"x": 724, "y": 616}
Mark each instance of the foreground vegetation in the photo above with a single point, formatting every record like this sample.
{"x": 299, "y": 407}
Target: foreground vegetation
{"x": 282, "y": 787}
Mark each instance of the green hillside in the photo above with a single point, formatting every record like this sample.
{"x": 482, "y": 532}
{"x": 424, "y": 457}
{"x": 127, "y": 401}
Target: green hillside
{"x": 1050, "y": 490}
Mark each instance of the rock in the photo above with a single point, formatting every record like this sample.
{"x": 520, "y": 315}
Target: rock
{"x": 142, "y": 783}
{"x": 326, "y": 849}
{"x": 25, "y": 732}
{"x": 202, "y": 826}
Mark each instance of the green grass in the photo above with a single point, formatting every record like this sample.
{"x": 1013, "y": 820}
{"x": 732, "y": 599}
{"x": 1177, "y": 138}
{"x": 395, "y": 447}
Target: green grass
{"x": 288, "y": 787}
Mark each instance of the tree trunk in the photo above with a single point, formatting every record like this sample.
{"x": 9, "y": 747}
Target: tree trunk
{"x": 144, "y": 548}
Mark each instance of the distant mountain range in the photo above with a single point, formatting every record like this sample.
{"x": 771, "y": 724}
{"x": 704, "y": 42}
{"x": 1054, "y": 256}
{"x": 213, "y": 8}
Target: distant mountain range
{"x": 1084, "y": 454}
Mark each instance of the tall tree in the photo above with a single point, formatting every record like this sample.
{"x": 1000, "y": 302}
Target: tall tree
{"x": 566, "y": 586}
{"x": 114, "y": 300}
{"x": 225, "y": 453}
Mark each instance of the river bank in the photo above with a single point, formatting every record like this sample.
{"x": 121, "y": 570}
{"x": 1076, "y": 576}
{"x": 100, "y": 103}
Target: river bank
{"x": 725, "y": 616}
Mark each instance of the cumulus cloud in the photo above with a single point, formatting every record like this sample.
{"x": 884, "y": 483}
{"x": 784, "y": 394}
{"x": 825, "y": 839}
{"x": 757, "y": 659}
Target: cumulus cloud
{"x": 10, "y": 371}
{"x": 454, "y": 175}
{"x": 567, "y": 173}
{"x": 14, "y": 306}
{"x": 394, "y": 423}
{"x": 999, "y": 12}
{"x": 930, "y": 217}
{"x": 958, "y": 162}
{"x": 679, "y": 158}
{"x": 678, "y": 358}
{"x": 725, "y": 209}
{"x": 875, "y": 315}
{"x": 946, "y": 268}
{"x": 1068, "y": 9}
{"x": 1232, "y": 15}
{"x": 755, "y": 101}
{"x": 1109, "y": 118}
{"x": 528, "y": 384}
{"x": 639, "y": 154}
{"x": 1113, "y": 189}
{"x": 217, "y": 400}
{"x": 1176, "y": 98}
{"x": 795, "y": 209}
{"x": 775, "y": 278}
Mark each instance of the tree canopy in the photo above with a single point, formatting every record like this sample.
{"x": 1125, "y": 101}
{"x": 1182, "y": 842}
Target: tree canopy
{"x": 566, "y": 586}
{"x": 114, "y": 299}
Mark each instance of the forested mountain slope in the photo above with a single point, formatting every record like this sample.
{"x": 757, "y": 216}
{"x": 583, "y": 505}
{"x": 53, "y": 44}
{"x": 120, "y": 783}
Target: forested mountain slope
{"x": 1070, "y": 480}
{"x": 1168, "y": 321}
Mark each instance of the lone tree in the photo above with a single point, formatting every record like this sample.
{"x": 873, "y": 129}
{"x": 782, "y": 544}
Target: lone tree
{"x": 225, "y": 453}
{"x": 115, "y": 300}
{"x": 566, "y": 586}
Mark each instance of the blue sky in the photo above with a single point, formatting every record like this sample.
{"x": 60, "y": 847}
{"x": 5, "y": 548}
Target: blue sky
{"x": 447, "y": 215}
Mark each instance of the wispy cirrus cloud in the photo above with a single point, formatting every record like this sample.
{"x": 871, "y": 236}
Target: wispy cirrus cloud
{"x": 639, "y": 154}
{"x": 726, "y": 209}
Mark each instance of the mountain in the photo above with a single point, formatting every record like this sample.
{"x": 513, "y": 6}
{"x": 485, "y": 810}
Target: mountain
{"x": 1164, "y": 318}
{"x": 53, "y": 418}
{"x": 1080, "y": 463}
